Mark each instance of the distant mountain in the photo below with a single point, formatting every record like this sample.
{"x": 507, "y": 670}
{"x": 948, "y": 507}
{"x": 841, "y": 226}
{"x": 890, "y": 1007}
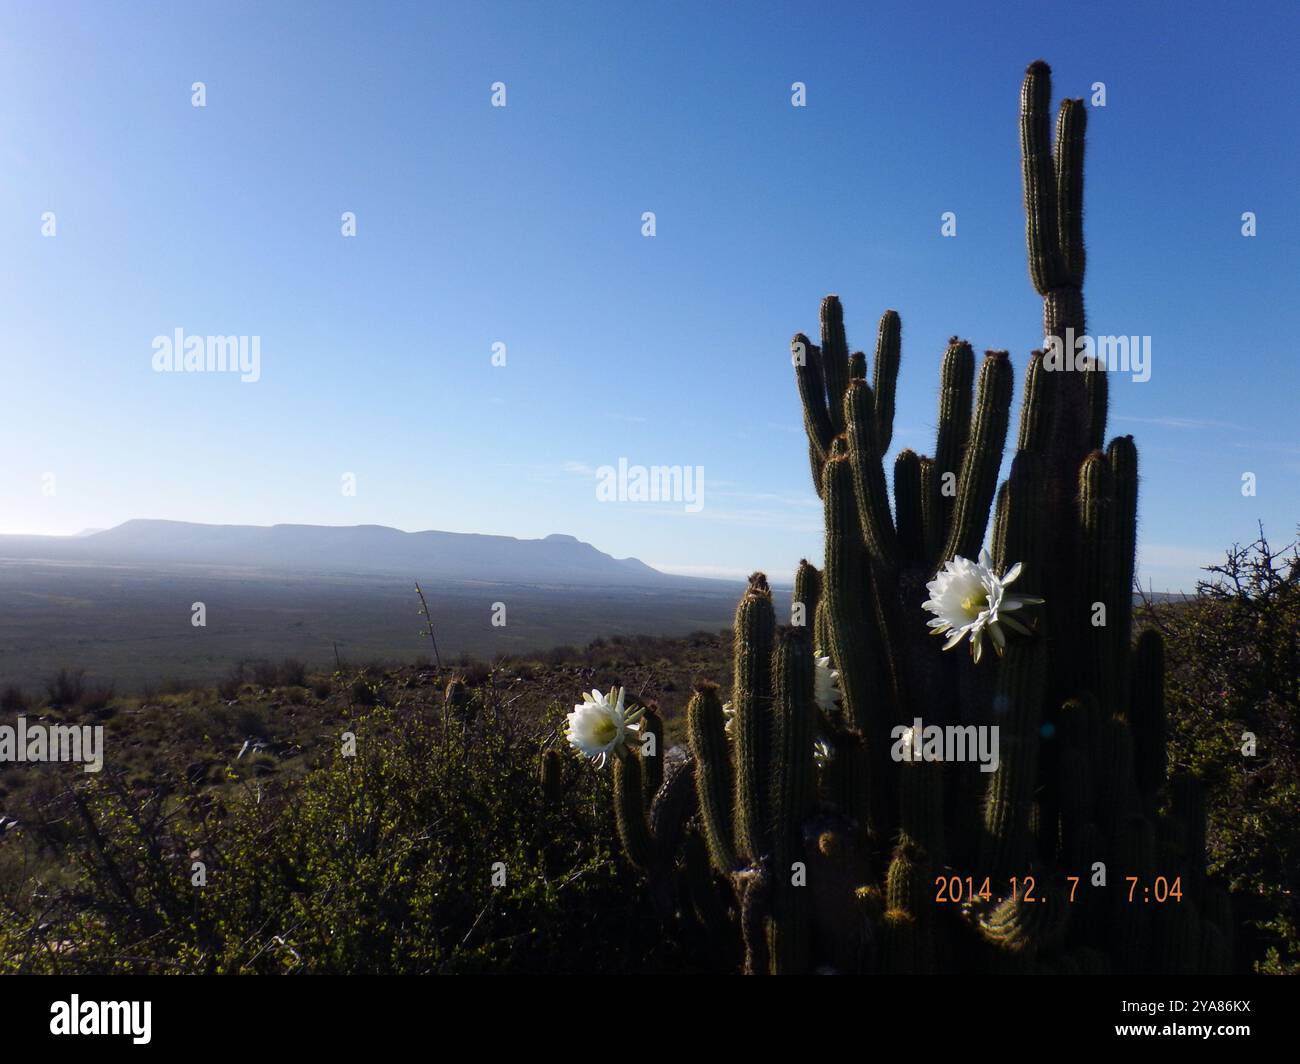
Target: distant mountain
{"x": 355, "y": 549}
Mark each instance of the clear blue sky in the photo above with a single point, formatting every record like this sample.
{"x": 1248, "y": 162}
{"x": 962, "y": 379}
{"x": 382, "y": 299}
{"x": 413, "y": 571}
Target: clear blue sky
{"x": 523, "y": 225}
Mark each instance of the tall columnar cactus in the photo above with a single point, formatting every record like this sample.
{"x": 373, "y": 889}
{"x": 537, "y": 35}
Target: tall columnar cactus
{"x": 865, "y": 857}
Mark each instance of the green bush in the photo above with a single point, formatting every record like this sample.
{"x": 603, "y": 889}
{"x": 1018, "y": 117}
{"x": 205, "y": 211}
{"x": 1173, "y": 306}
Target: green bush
{"x": 389, "y": 860}
{"x": 1234, "y": 667}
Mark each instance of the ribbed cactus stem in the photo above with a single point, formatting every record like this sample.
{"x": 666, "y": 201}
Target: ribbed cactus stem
{"x": 1123, "y": 461}
{"x": 706, "y": 729}
{"x": 630, "y": 814}
{"x": 1130, "y": 928}
{"x": 703, "y": 891}
{"x": 1020, "y": 683}
{"x": 1096, "y": 383}
{"x": 884, "y": 378}
{"x": 1046, "y": 265}
{"x": 794, "y": 796}
{"x": 1036, "y": 406}
{"x": 983, "y": 457}
{"x": 899, "y": 933}
{"x": 1020, "y": 924}
{"x": 847, "y": 778}
{"x": 1073, "y": 788}
{"x": 956, "y": 378}
{"x": 793, "y": 774}
{"x": 672, "y": 807}
{"x": 1099, "y": 610}
{"x": 909, "y": 888}
{"x": 1147, "y": 712}
{"x": 549, "y": 775}
{"x": 909, "y": 506}
{"x": 807, "y": 593}
{"x": 835, "y": 358}
{"x": 934, "y": 520}
{"x": 751, "y": 699}
{"x": 1071, "y": 125}
{"x": 920, "y": 810}
{"x": 869, "y": 475}
{"x": 1018, "y": 534}
{"x": 843, "y": 579}
{"x": 1113, "y": 772}
{"x": 811, "y": 382}
{"x": 652, "y": 764}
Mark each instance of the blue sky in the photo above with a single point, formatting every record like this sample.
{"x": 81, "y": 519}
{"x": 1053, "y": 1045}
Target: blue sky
{"x": 522, "y": 225}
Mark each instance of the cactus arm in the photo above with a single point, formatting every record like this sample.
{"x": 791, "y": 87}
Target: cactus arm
{"x": 629, "y": 812}
{"x": 713, "y": 775}
{"x": 808, "y": 590}
{"x": 1147, "y": 712}
{"x": 1046, "y": 265}
{"x": 956, "y": 378}
{"x": 811, "y": 385}
{"x": 1097, "y": 584}
{"x": 934, "y": 519}
{"x": 1123, "y": 461}
{"x": 1035, "y": 408}
{"x": 869, "y": 475}
{"x": 909, "y": 507}
{"x": 884, "y": 379}
{"x": 1071, "y": 124}
{"x": 751, "y": 697}
{"x": 983, "y": 457}
{"x": 652, "y": 767}
{"x": 835, "y": 359}
{"x": 794, "y": 795}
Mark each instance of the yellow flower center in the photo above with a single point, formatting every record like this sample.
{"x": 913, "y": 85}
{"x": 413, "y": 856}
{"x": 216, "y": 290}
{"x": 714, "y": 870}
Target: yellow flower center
{"x": 605, "y": 731}
{"x": 975, "y": 604}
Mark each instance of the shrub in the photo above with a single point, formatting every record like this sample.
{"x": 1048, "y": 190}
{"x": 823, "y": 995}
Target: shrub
{"x": 363, "y": 692}
{"x": 96, "y": 697}
{"x": 1234, "y": 667}
{"x": 382, "y": 862}
{"x": 66, "y": 687}
{"x": 228, "y": 687}
{"x": 265, "y": 673}
{"x": 292, "y": 673}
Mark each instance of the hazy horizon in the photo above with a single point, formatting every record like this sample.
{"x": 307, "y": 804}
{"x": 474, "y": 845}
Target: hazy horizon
{"x": 778, "y": 578}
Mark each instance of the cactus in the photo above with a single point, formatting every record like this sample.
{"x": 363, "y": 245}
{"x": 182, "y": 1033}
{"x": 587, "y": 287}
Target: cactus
{"x": 549, "y": 776}
{"x": 833, "y": 862}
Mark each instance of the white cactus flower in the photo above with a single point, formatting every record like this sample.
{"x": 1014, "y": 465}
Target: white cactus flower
{"x": 968, "y": 598}
{"x": 599, "y": 726}
{"x": 729, "y": 719}
{"x": 827, "y": 691}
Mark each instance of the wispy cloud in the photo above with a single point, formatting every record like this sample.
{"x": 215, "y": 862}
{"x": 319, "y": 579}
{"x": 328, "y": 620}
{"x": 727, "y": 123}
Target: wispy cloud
{"x": 1183, "y": 423}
